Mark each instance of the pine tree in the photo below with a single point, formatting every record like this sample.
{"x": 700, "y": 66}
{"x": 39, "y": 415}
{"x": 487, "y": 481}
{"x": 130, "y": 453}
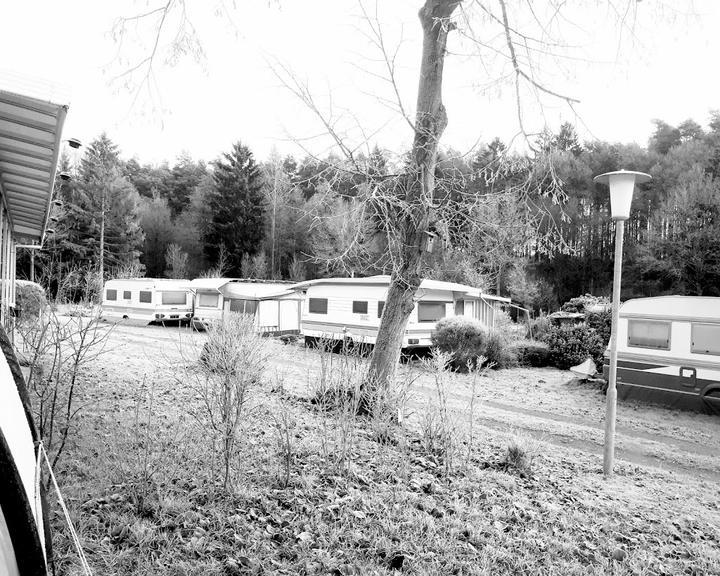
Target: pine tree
{"x": 184, "y": 178}
{"x": 100, "y": 222}
{"x": 237, "y": 206}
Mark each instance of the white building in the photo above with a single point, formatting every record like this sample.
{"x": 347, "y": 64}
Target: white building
{"x": 351, "y": 308}
{"x": 30, "y": 138}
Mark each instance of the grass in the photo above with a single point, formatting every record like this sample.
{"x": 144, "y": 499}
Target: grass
{"x": 390, "y": 508}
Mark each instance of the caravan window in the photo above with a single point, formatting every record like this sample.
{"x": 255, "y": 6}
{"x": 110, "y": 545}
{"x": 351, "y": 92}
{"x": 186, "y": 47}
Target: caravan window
{"x": 706, "y": 339}
{"x": 110, "y": 294}
{"x": 431, "y": 311}
{"x": 243, "y": 306}
{"x": 360, "y": 307}
{"x": 381, "y": 305}
{"x": 208, "y": 300}
{"x": 145, "y": 296}
{"x": 649, "y": 334}
{"x": 175, "y": 297}
{"x": 317, "y": 305}
{"x": 127, "y": 295}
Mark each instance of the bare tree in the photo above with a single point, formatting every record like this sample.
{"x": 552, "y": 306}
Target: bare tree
{"x": 417, "y": 187}
{"x": 411, "y": 207}
{"x": 176, "y": 261}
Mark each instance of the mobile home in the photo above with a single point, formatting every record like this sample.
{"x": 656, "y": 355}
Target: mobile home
{"x": 351, "y": 308}
{"x": 147, "y": 300}
{"x": 275, "y": 307}
{"x": 669, "y": 352}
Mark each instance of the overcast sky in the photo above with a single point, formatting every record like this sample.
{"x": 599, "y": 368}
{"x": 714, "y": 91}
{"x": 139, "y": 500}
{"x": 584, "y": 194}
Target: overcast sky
{"x": 665, "y": 69}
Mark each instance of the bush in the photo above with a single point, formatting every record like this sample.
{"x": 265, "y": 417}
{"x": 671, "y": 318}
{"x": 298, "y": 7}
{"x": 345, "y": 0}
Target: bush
{"x": 532, "y": 353}
{"x": 498, "y": 351}
{"x": 466, "y": 340}
{"x": 462, "y": 338}
{"x": 539, "y": 329}
{"x": 232, "y": 365}
{"x": 585, "y": 304}
{"x": 571, "y": 345}
{"x": 601, "y": 322}
{"x": 30, "y": 299}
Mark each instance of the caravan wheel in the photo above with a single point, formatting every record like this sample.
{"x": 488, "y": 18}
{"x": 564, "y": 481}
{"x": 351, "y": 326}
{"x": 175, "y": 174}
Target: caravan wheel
{"x": 711, "y": 398}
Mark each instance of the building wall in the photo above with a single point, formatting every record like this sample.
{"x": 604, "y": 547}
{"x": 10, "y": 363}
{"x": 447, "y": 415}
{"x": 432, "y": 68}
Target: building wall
{"x": 7, "y": 270}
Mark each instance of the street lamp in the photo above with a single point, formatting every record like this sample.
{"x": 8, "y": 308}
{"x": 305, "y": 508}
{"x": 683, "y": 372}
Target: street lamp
{"x": 622, "y": 184}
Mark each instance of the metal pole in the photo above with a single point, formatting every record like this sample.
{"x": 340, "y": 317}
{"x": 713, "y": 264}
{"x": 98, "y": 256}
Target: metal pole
{"x": 609, "y": 453}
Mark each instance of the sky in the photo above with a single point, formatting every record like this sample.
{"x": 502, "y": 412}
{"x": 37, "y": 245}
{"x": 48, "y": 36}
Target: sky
{"x": 229, "y": 81}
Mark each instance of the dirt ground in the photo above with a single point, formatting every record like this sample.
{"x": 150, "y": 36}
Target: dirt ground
{"x": 663, "y": 503}
{"x": 549, "y": 405}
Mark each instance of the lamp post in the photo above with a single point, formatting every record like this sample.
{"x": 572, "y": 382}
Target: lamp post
{"x": 622, "y": 184}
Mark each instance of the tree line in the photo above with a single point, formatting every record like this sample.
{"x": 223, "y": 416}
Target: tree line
{"x": 285, "y": 218}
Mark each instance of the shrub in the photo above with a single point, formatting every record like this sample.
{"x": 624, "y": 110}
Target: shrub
{"x": 462, "y": 338}
{"x": 585, "y": 304}
{"x": 532, "y": 353}
{"x": 571, "y": 345}
{"x": 520, "y": 455}
{"x": 498, "y": 351}
{"x": 31, "y": 300}
{"x": 539, "y": 329}
{"x": 601, "y": 322}
{"x": 232, "y": 365}
{"x": 60, "y": 353}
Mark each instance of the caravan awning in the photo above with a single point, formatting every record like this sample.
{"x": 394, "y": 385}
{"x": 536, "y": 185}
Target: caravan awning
{"x": 30, "y": 136}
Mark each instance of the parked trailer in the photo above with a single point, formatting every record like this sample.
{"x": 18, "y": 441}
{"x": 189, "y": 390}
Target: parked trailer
{"x": 276, "y": 309}
{"x": 147, "y": 300}
{"x": 669, "y": 352}
{"x": 351, "y": 308}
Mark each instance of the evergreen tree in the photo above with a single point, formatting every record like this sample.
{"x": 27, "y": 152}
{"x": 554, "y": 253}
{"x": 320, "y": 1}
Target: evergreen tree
{"x": 237, "y": 206}
{"x": 149, "y": 180}
{"x": 184, "y": 178}
{"x": 101, "y": 223}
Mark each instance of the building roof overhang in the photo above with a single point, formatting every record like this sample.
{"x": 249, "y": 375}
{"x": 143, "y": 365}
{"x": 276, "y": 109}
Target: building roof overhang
{"x": 30, "y": 138}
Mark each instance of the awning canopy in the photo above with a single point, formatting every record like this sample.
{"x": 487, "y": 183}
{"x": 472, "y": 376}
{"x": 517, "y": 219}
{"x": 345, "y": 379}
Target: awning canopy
{"x": 30, "y": 136}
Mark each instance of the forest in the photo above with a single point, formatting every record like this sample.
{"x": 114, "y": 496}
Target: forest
{"x": 540, "y": 239}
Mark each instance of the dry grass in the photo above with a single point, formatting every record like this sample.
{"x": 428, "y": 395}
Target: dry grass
{"x": 316, "y": 495}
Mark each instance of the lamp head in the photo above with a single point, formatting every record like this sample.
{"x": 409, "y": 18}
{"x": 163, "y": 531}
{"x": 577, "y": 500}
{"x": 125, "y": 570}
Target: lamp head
{"x": 74, "y": 143}
{"x": 622, "y": 184}
{"x": 65, "y": 176}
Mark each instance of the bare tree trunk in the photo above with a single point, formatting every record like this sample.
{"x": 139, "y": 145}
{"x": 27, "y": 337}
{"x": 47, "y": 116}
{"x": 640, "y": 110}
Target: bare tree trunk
{"x": 430, "y": 122}
{"x": 274, "y": 217}
{"x": 101, "y": 257}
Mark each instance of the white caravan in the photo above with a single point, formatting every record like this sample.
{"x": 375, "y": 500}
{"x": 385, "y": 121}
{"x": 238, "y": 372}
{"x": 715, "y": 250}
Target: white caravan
{"x": 351, "y": 308}
{"x": 275, "y": 307}
{"x": 147, "y": 300}
{"x": 669, "y": 351}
